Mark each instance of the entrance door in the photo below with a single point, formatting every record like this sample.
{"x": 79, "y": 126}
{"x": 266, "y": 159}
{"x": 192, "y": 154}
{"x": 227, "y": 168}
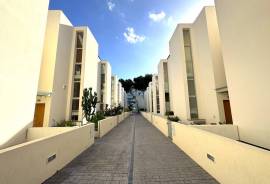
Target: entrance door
{"x": 228, "y": 112}
{"x": 39, "y": 115}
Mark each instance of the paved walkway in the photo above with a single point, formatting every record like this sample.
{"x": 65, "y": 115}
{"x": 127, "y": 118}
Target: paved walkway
{"x": 134, "y": 152}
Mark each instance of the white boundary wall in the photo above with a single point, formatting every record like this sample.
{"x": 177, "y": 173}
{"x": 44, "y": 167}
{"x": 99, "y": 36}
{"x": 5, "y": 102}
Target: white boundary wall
{"x": 27, "y": 163}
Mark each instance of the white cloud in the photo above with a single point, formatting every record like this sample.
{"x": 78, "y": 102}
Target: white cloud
{"x": 110, "y": 5}
{"x": 132, "y": 37}
{"x": 157, "y": 17}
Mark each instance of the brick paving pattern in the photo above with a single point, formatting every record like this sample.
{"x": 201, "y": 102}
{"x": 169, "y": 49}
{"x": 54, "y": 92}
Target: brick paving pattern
{"x": 155, "y": 159}
{"x": 158, "y": 160}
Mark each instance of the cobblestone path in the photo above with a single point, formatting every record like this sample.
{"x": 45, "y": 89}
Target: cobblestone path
{"x": 134, "y": 152}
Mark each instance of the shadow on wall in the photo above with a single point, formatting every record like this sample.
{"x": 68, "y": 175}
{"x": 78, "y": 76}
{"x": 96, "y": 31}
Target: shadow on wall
{"x": 18, "y": 138}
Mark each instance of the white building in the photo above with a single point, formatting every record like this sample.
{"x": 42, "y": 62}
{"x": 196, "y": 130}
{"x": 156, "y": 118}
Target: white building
{"x": 150, "y": 97}
{"x": 146, "y": 100}
{"x": 120, "y": 94}
{"x": 69, "y": 65}
{"x": 104, "y": 81}
{"x": 163, "y": 85}
{"x": 22, "y": 37}
{"x": 244, "y": 29}
{"x": 198, "y": 88}
{"x": 122, "y": 102}
{"x": 114, "y": 93}
{"x": 155, "y": 98}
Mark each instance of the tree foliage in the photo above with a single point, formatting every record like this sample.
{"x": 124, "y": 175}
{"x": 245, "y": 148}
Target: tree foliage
{"x": 89, "y": 102}
{"x": 139, "y": 83}
{"x": 127, "y": 84}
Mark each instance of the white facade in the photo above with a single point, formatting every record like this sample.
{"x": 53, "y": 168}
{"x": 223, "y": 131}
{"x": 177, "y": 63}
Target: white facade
{"x": 22, "y": 35}
{"x": 177, "y": 74}
{"x": 69, "y": 65}
{"x": 146, "y": 100}
{"x": 196, "y": 70}
{"x": 122, "y": 102}
{"x": 54, "y": 71}
{"x": 163, "y": 85}
{"x": 244, "y": 29}
{"x": 150, "y": 97}
{"x": 139, "y": 96}
{"x": 88, "y": 52}
{"x": 104, "y": 80}
{"x": 209, "y": 73}
{"x": 114, "y": 94}
{"x": 156, "y": 109}
{"x": 120, "y": 95}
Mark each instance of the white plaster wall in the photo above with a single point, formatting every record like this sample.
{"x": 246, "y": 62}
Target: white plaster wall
{"x": 235, "y": 162}
{"x": 91, "y": 60}
{"x": 46, "y": 76}
{"x": 150, "y": 97}
{"x": 108, "y": 84}
{"x": 27, "y": 163}
{"x": 154, "y": 86}
{"x": 205, "y": 56}
{"x": 179, "y": 102}
{"x": 61, "y": 72}
{"x": 229, "y": 131}
{"x": 120, "y": 93}
{"x": 244, "y": 28}
{"x": 161, "y": 87}
{"x": 21, "y": 54}
{"x": 115, "y": 91}
{"x": 55, "y": 66}
{"x": 123, "y": 97}
{"x": 42, "y": 132}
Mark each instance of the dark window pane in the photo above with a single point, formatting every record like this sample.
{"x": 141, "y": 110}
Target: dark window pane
{"x": 76, "y": 90}
{"x": 167, "y": 97}
{"x": 191, "y": 88}
{"x": 78, "y": 55}
{"x": 79, "y": 40}
{"x": 74, "y": 117}
{"x": 186, "y": 34}
{"x": 75, "y": 104}
{"x": 78, "y": 68}
{"x": 193, "y": 108}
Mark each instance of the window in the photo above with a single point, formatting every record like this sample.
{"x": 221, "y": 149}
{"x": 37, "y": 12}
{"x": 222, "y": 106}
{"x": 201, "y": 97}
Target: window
{"x": 76, "y": 89}
{"x": 191, "y": 88}
{"x": 79, "y": 40}
{"x": 190, "y": 75}
{"x": 79, "y": 55}
{"x": 167, "y": 97}
{"x": 77, "y": 70}
{"x": 74, "y": 117}
{"x": 193, "y": 108}
{"x": 75, "y": 104}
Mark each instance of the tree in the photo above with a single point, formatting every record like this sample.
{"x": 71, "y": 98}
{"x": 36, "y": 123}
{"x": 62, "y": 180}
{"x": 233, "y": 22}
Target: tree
{"x": 139, "y": 83}
{"x": 127, "y": 84}
{"x": 89, "y": 102}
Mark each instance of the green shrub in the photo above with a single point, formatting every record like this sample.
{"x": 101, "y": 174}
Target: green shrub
{"x": 96, "y": 118}
{"x": 173, "y": 118}
{"x": 65, "y": 124}
{"x": 169, "y": 113}
{"x": 113, "y": 111}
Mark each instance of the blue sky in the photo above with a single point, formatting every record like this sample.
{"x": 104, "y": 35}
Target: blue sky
{"x": 133, "y": 35}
